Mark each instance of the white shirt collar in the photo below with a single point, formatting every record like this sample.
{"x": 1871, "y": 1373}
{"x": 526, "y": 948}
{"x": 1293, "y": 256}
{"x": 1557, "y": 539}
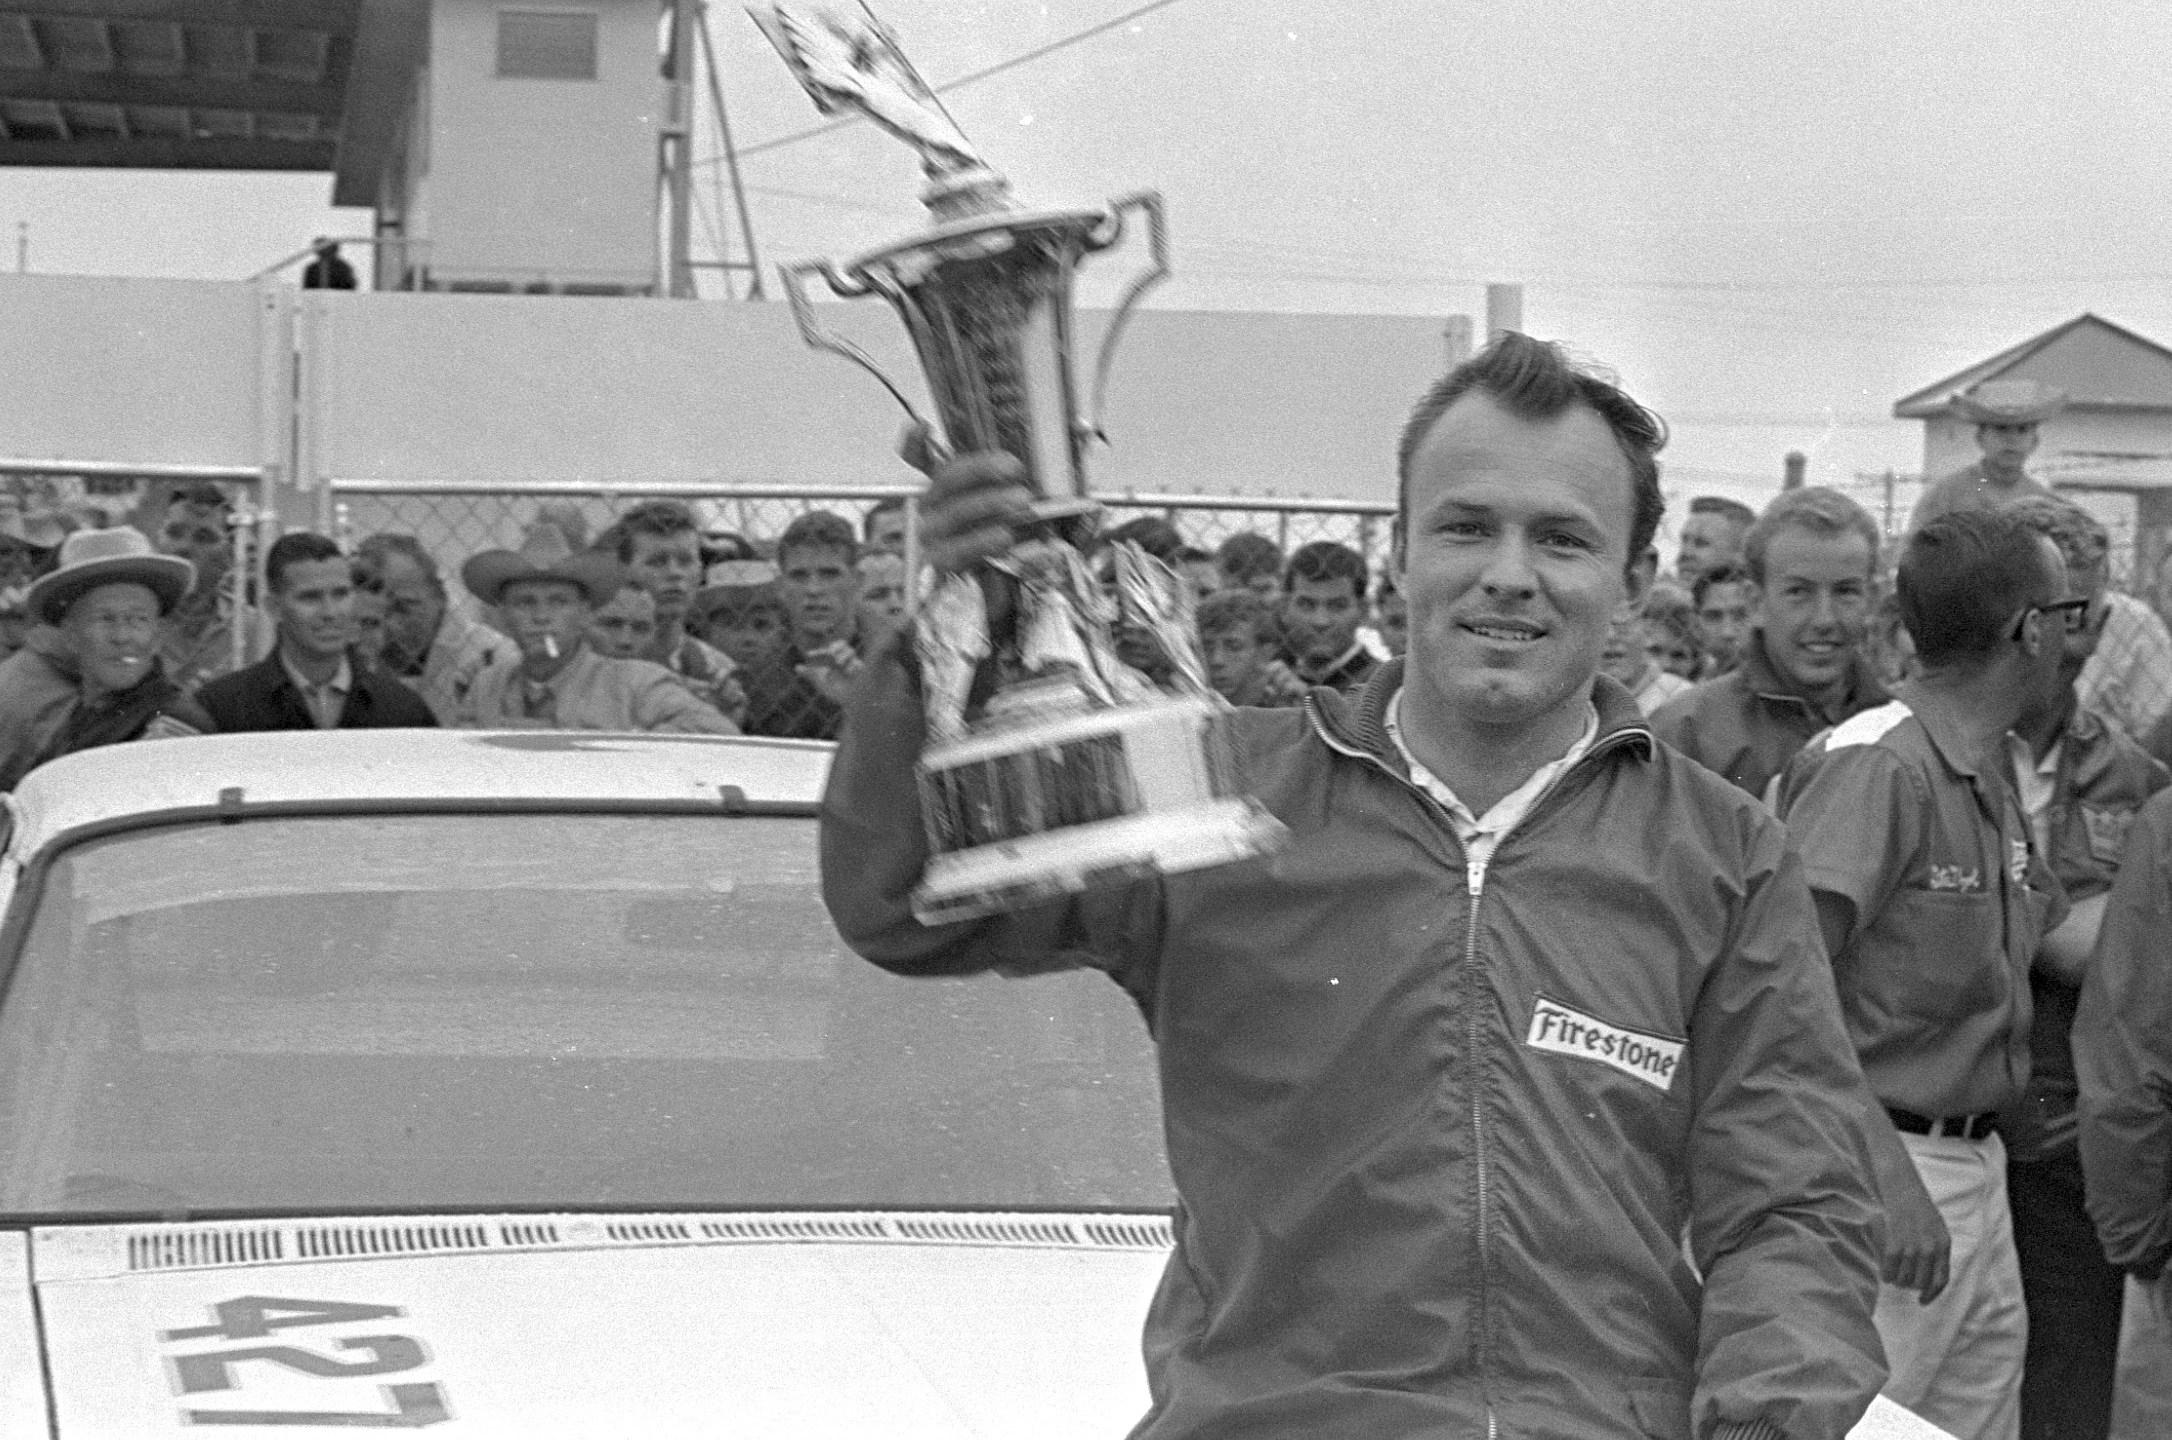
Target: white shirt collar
{"x": 1481, "y": 834}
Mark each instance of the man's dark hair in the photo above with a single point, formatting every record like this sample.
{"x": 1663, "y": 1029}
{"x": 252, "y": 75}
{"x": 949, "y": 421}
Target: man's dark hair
{"x": 1241, "y": 611}
{"x": 200, "y": 495}
{"x": 662, "y": 518}
{"x": 875, "y": 512}
{"x": 1821, "y": 510}
{"x": 1326, "y": 560}
{"x": 819, "y": 529}
{"x": 1963, "y": 578}
{"x": 1151, "y": 533}
{"x": 1192, "y": 555}
{"x": 1534, "y": 380}
{"x": 1727, "y": 573}
{"x": 296, "y": 547}
{"x": 374, "y": 549}
{"x": 1729, "y": 509}
{"x": 2082, "y": 540}
{"x": 368, "y": 575}
{"x": 1247, "y": 555}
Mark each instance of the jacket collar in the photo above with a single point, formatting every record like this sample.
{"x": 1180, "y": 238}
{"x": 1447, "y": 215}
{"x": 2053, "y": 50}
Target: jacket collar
{"x": 1943, "y": 739}
{"x": 1359, "y": 722}
{"x": 1765, "y": 682}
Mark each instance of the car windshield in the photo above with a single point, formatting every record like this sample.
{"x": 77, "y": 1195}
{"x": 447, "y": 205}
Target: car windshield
{"x": 417, "y": 1011}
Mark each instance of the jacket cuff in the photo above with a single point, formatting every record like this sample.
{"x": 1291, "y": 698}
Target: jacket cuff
{"x": 1749, "y": 1430}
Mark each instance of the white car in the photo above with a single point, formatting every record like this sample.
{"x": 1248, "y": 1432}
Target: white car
{"x": 516, "y": 1085}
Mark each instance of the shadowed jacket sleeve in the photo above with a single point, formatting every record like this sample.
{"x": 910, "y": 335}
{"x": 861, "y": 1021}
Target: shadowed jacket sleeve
{"x": 2123, "y": 1054}
{"x": 1786, "y": 1223}
{"x": 874, "y": 847}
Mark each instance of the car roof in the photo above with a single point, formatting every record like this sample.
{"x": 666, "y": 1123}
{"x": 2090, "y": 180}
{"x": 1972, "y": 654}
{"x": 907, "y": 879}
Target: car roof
{"x": 354, "y": 769}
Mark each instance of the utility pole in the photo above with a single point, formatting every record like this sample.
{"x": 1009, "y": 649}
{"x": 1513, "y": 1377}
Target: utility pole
{"x": 1793, "y": 470}
{"x": 731, "y": 159}
{"x": 1504, "y": 310}
{"x": 679, "y": 154}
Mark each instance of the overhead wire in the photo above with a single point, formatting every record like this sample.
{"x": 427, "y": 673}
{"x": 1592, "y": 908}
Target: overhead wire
{"x": 960, "y": 82}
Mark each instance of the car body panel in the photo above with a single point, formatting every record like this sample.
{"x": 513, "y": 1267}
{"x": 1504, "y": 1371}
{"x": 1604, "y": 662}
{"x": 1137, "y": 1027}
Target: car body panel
{"x": 359, "y": 767}
{"x": 670, "y": 1325}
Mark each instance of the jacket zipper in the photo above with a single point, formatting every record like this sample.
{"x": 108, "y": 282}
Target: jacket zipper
{"x": 1474, "y": 880}
{"x": 1474, "y": 877}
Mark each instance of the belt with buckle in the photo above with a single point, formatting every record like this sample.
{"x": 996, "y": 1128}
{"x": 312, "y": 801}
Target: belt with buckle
{"x": 1953, "y": 1127}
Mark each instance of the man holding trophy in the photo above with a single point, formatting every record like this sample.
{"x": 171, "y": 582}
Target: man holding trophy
{"x": 1477, "y": 1002}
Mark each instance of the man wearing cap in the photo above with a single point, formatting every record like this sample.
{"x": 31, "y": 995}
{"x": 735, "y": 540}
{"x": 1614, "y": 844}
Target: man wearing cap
{"x": 107, "y": 598}
{"x": 1932, "y": 899}
{"x": 312, "y": 680}
{"x": 2007, "y": 414}
{"x": 548, "y": 595}
{"x": 739, "y": 611}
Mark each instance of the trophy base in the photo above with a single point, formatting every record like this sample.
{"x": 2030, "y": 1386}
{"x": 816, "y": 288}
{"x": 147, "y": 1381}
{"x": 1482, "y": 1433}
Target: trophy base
{"x": 1049, "y": 799}
{"x": 971, "y": 884}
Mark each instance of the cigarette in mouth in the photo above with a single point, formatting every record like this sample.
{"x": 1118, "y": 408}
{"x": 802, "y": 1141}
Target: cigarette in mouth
{"x": 550, "y": 647}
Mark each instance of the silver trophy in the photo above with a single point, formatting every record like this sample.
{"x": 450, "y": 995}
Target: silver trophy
{"x": 1052, "y": 766}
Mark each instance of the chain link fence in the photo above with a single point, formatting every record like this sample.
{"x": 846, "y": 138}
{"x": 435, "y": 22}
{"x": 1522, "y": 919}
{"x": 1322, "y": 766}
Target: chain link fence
{"x": 455, "y": 524}
{"x": 1891, "y": 498}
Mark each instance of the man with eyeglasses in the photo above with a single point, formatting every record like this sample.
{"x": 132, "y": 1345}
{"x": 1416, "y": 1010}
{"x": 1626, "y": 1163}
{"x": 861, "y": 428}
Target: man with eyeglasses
{"x": 2080, "y": 781}
{"x": 1933, "y": 900}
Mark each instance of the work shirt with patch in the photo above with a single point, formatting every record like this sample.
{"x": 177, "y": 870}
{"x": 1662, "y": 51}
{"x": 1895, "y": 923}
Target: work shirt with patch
{"x": 1948, "y": 901}
{"x": 2081, "y": 799}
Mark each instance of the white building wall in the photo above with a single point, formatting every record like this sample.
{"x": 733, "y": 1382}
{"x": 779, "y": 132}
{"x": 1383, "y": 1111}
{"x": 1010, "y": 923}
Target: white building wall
{"x": 542, "y": 180}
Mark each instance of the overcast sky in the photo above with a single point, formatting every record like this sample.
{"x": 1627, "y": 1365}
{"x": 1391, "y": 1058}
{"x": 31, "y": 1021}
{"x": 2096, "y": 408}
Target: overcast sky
{"x": 1773, "y": 221}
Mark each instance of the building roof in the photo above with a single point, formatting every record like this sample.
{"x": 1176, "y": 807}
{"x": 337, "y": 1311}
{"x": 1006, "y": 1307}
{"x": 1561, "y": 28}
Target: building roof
{"x": 2100, "y": 366}
{"x": 201, "y": 84}
{"x": 395, "y": 768}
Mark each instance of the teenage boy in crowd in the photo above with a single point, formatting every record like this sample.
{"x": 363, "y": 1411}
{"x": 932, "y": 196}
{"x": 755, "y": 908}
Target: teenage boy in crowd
{"x": 1528, "y": 1000}
{"x": 1812, "y": 563}
{"x": 659, "y": 544}
{"x": 2080, "y": 781}
{"x": 1239, "y": 639}
{"x": 799, "y": 692}
{"x": 1726, "y": 601}
{"x": 1933, "y": 901}
{"x": 1323, "y": 603}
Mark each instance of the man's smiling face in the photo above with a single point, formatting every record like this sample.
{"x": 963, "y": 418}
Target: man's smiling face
{"x": 1515, "y": 559}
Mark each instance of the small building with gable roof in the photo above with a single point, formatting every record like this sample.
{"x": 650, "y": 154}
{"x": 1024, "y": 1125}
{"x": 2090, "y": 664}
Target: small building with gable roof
{"x": 2112, "y": 439}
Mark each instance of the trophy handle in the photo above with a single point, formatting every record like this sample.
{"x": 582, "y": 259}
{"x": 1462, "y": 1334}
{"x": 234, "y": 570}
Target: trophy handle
{"x": 817, "y": 338}
{"x": 1147, "y": 203}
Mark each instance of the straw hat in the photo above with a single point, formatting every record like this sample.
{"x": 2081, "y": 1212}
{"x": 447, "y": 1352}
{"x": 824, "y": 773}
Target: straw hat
{"x": 91, "y": 558}
{"x": 2009, "y": 402}
{"x": 543, "y": 555}
{"x": 736, "y": 583}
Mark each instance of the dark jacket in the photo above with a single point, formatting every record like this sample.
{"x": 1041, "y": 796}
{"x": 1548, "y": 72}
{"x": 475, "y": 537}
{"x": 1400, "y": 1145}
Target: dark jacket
{"x": 2123, "y": 1053}
{"x": 261, "y": 697}
{"x": 1746, "y": 725}
{"x": 1439, "y": 1131}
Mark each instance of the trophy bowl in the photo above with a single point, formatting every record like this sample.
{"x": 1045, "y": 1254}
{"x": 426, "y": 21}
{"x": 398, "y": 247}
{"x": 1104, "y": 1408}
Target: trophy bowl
{"x": 1051, "y": 766}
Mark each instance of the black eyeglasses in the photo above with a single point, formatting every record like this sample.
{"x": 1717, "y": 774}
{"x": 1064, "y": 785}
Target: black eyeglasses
{"x": 2075, "y": 611}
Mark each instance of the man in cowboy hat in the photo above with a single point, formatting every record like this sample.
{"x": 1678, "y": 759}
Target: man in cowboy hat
{"x": 106, "y": 599}
{"x": 2007, "y": 413}
{"x": 548, "y": 594}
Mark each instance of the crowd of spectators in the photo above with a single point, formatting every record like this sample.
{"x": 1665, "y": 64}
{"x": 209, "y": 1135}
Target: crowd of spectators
{"x": 653, "y": 624}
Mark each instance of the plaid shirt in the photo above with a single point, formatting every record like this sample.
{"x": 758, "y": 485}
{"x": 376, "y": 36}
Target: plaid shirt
{"x": 2129, "y": 678}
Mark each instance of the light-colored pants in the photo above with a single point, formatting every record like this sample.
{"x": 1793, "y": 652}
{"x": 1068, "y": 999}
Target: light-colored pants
{"x": 2142, "y": 1404}
{"x": 1957, "y": 1361}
